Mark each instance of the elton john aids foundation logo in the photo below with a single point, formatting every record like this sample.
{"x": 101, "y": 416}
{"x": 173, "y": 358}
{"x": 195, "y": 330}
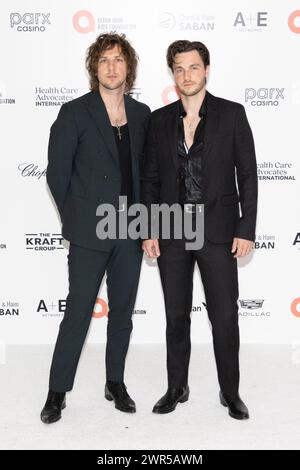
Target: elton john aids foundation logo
{"x": 295, "y": 307}
{"x": 100, "y": 308}
{"x": 84, "y": 21}
{"x": 294, "y": 22}
{"x": 169, "y": 94}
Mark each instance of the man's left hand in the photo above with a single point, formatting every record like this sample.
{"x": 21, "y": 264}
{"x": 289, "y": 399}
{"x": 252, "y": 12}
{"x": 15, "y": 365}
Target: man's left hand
{"x": 241, "y": 247}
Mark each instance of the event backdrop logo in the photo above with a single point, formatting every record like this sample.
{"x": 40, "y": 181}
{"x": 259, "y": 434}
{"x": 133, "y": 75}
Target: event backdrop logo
{"x": 4, "y": 99}
{"x": 9, "y": 308}
{"x": 275, "y": 171}
{"x": 251, "y": 23}
{"x": 295, "y": 307}
{"x": 100, "y": 308}
{"x": 252, "y": 308}
{"x": 29, "y": 22}
{"x": 85, "y": 22}
{"x": 264, "y": 242}
{"x": 261, "y": 97}
{"x": 294, "y": 21}
{"x": 296, "y": 241}
{"x": 54, "y": 96}
{"x": 44, "y": 241}
{"x": 184, "y": 22}
{"x": 169, "y": 94}
{"x": 31, "y": 170}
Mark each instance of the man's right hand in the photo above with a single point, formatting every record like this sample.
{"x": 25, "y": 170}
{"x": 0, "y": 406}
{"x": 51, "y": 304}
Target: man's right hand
{"x": 151, "y": 248}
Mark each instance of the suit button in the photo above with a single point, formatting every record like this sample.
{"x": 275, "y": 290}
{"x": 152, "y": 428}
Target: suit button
{"x": 177, "y": 180}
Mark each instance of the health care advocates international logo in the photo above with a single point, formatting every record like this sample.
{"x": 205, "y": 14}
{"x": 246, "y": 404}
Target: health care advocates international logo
{"x": 203, "y": 22}
{"x": 275, "y": 171}
{"x": 85, "y": 22}
{"x": 54, "y": 96}
{"x": 29, "y": 22}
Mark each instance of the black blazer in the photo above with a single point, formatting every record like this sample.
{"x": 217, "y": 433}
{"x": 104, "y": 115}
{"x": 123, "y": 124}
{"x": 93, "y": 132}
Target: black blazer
{"x": 228, "y": 150}
{"x": 83, "y": 164}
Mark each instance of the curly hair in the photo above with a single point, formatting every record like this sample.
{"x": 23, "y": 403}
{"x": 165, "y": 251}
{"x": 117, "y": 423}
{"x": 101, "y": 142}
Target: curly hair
{"x": 177, "y": 47}
{"x": 105, "y": 42}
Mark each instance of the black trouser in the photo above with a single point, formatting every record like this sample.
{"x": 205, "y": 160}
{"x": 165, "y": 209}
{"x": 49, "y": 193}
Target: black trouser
{"x": 218, "y": 270}
{"x": 86, "y": 270}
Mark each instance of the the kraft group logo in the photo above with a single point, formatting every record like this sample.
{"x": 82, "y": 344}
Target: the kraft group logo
{"x": 294, "y": 21}
{"x": 44, "y": 241}
{"x": 29, "y": 22}
{"x": 295, "y": 307}
{"x": 100, "y": 308}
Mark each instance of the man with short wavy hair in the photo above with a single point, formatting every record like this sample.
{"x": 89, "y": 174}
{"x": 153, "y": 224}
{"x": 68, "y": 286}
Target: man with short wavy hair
{"x": 194, "y": 148}
{"x": 94, "y": 150}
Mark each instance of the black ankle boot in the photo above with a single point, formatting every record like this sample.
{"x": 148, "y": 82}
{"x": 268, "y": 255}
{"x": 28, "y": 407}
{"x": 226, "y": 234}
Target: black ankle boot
{"x": 169, "y": 401}
{"x": 236, "y": 407}
{"x": 56, "y": 401}
{"x": 118, "y": 392}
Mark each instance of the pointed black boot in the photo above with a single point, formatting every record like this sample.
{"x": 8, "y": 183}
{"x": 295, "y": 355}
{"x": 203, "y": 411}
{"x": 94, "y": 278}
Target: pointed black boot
{"x": 56, "y": 401}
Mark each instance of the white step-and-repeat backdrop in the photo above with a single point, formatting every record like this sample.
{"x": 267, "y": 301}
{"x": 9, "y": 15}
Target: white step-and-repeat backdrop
{"x": 255, "y": 50}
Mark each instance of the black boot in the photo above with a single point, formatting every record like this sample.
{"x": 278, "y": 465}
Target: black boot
{"x": 236, "y": 407}
{"x": 118, "y": 392}
{"x": 56, "y": 401}
{"x": 169, "y": 401}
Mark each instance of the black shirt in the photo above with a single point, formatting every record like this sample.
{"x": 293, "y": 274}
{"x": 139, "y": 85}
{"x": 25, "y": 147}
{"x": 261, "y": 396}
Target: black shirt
{"x": 190, "y": 168}
{"x": 123, "y": 146}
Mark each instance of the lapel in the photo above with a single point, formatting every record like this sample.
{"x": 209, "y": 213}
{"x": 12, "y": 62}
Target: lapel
{"x": 211, "y": 127}
{"x": 133, "y": 127}
{"x": 100, "y": 117}
{"x": 172, "y": 133}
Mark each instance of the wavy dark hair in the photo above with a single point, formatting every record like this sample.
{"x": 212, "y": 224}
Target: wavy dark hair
{"x": 105, "y": 42}
{"x": 177, "y": 47}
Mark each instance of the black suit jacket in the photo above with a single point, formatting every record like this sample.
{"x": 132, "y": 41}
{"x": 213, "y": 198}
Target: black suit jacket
{"x": 83, "y": 164}
{"x": 229, "y": 168}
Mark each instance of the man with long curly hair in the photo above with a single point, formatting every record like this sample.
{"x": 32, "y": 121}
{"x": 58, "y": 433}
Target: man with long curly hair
{"x": 94, "y": 150}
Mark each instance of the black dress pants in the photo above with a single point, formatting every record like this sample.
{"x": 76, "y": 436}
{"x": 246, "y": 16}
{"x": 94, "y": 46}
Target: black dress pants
{"x": 86, "y": 270}
{"x": 218, "y": 269}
